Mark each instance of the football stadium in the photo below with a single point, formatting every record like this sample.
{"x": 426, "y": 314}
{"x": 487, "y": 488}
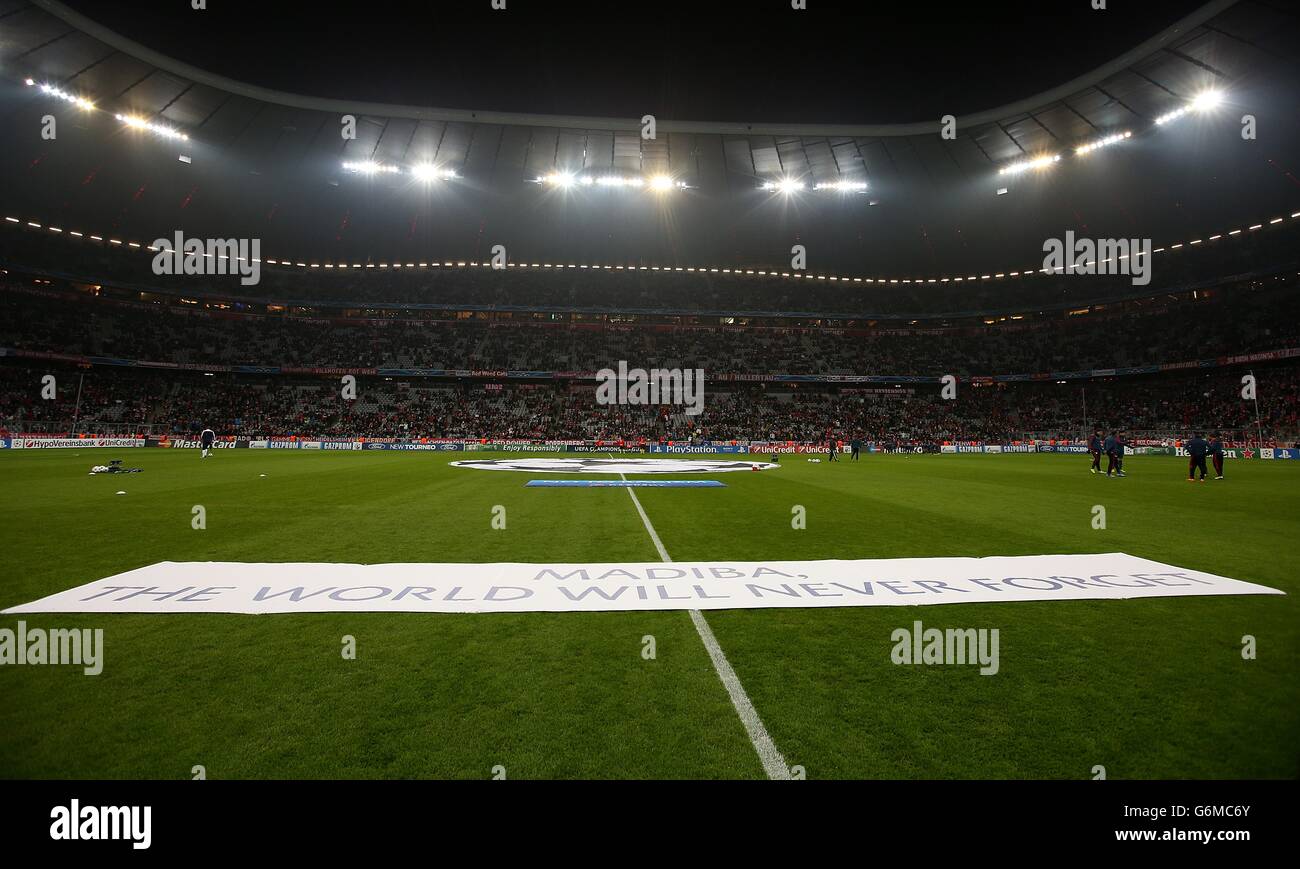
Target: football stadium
{"x": 361, "y": 428}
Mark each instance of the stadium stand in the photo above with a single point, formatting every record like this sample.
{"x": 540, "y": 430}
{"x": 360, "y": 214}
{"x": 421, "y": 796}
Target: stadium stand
{"x": 275, "y": 375}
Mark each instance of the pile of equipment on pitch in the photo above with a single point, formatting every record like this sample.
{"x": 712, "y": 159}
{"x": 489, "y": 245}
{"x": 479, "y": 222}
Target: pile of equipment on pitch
{"x": 113, "y": 467}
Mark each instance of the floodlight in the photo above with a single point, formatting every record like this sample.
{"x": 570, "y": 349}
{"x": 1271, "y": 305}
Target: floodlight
{"x": 53, "y": 91}
{"x": 1206, "y": 100}
{"x": 1203, "y": 102}
{"x": 141, "y": 124}
{"x": 1102, "y": 143}
{"x": 558, "y": 179}
{"x": 784, "y": 185}
{"x": 370, "y": 167}
{"x": 1033, "y": 163}
{"x": 842, "y": 186}
{"x": 430, "y": 172}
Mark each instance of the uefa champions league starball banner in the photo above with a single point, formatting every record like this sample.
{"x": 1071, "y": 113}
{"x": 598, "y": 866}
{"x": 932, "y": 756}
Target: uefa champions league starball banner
{"x": 237, "y": 587}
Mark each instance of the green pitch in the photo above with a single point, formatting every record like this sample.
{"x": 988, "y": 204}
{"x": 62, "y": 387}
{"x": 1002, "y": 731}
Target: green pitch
{"x": 1152, "y": 688}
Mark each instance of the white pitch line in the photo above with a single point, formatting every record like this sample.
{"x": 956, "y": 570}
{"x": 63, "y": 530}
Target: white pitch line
{"x": 773, "y": 763}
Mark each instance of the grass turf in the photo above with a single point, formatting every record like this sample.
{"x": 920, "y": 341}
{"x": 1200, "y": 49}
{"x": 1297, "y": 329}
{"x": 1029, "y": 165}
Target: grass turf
{"x": 1146, "y": 688}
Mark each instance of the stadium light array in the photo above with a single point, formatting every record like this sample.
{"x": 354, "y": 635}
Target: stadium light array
{"x": 1102, "y": 143}
{"x": 132, "y": 121}
{"x": 842, "y": 186}
{"x": 1034, "y": 163}
{"x": 558, "y": 179}
{"x": 430, "y": 172}
{"x": 784, "y": 185}
{"x": 1202, "y": 102}
{"x": 370, "y": 167}
{"x": 138, "y": 123}
{"x": 794, "y": 185}
{"x": 656, "y": 183}
{"x": 420, "y": 171}
{"x": 79, "y": 102}
{"x": 1206, "y": 100}
{"x": 1172, "y": 116}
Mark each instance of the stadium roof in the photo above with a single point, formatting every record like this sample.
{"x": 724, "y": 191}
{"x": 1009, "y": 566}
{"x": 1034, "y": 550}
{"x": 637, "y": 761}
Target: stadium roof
{"x": 269, "y": 164}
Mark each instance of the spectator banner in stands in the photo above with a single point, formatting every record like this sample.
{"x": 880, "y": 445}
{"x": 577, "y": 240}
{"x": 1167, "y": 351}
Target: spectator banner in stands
{"x": 237, "y": 587}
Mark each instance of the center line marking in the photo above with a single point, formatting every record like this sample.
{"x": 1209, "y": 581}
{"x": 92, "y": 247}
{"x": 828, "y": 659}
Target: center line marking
{"x": 773, "y": 763}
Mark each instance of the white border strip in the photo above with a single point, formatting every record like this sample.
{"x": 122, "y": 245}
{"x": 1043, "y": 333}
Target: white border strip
{"x": 773, "y": 762}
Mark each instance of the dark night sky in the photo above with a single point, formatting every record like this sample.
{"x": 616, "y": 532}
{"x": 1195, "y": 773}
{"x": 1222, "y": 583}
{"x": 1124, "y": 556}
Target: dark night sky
{"x": 706, "y": 60}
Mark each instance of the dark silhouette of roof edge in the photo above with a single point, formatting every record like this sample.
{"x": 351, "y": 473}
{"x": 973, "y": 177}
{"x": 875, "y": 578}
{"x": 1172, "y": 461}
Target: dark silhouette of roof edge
{"x": 419, "y": 113}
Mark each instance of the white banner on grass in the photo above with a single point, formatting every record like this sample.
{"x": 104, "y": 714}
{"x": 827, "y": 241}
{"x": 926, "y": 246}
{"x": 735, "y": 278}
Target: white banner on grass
{"x": 238, "y": 587}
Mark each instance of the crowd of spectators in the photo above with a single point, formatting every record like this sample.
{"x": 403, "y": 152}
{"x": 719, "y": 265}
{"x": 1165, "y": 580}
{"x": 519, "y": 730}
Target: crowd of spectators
{"x": 111, "y": 400}
{"x": 58, "y": 323}
{"x": 1246, "y": 319}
